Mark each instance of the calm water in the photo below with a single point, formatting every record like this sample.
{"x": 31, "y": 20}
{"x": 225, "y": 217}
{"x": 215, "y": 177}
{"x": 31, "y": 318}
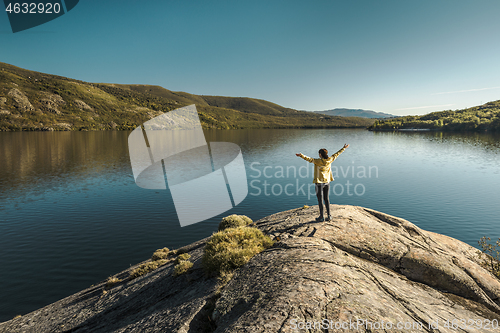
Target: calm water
{"x": 71, "y": 214}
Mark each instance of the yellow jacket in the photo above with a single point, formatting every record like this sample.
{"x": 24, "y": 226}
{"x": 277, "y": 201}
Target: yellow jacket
{"x": 322, "y": 167}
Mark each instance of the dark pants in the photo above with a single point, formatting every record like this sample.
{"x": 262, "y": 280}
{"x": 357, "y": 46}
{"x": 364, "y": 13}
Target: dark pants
{"x": 322, "y": 193}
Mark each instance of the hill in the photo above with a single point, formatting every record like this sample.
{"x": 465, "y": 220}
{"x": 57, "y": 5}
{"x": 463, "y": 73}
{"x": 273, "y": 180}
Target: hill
{"x": 364, "y": 268}
{"x": 36, "y": 101}
{"x": 485, "y": 117}
{"x": 356, "y": 113}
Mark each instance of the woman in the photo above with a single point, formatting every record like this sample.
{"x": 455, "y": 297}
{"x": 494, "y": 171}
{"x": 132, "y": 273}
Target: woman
{"x": 322, "y": 178}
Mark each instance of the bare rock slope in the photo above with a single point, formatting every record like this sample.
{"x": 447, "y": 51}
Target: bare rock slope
{"x": 364, "y": 271}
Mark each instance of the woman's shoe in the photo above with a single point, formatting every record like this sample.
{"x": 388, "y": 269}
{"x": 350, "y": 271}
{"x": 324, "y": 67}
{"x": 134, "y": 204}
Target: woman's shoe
{"x": 328, "y": 218}
{"x": 320, "y": 219}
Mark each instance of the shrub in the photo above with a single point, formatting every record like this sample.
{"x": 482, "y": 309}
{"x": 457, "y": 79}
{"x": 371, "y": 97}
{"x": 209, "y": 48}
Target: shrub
{"x": 232, "y": 248}
{"x": 147, "y": 267}
{"x": 234, "y": 221}
{"x": 182, "y": 267}
{"x": 492, "y": 254}
{"x": 182, "y": 257}
{"x": 160, "y": 254}
{"x": 112, "y": 281}
{"x": 224, "y": 278}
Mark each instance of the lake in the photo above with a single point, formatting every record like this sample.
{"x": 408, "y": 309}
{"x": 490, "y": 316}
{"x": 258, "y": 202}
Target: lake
{"x": 71, "y": 214}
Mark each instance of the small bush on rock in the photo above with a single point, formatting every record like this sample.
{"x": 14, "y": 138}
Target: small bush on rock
{"x": 234, "y": 221}
{"x": 160, "y": 254}
{"x": 182, "y": 257}
{"x": 111, "y": 281}
{"x": 490, "y": 254}
{"x": 182, "y": 267}
{"x": 147, "y": 267}
{"x": 231, "y": 248}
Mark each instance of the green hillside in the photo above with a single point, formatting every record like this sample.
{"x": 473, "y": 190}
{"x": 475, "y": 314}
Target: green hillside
{"x": 485, "y": 117}
{"x": 32, "y": 101}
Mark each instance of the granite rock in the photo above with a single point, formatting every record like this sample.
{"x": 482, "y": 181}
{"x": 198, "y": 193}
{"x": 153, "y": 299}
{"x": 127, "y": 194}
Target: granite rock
{"x": 363, "y": 271}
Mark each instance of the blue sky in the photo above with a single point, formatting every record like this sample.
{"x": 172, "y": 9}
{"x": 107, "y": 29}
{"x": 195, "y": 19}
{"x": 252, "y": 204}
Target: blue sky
{"x": 399, "y": 57}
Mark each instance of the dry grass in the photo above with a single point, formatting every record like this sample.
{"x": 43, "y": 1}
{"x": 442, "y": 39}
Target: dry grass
{"x": 182, "y": 257}
{"x": 147, "y": 267}
{"x": 232, "y": 248}
{"x": 112, "y": 281}
{"x": 234, "y": 221}
{"x": 224, "y": 278}
{"x": 160, "y": 254}
{"x": 182, "y": 267}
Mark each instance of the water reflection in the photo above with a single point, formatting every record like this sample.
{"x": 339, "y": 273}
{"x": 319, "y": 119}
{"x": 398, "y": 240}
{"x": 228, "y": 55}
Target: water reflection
{"x": 488, "y": 141}
{"x": 31, "y": 161}
{"x": 70, "y": 197}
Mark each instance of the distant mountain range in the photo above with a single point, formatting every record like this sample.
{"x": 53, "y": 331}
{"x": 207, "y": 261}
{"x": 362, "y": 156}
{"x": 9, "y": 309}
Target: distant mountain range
{"x": 33, "y": 101}
{"x": 356, "y": 113}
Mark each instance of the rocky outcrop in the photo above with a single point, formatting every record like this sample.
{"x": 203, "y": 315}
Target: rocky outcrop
{"x": 82, "y": 105}
{"x": 3, "y": 100}
{"x": 364, "y": 271}
{"x": 364, "y": 265}
{"x": 51, "y": 102}
{"x": 85, "y": 107}
{"x": 21, "y": 102}
{"x": 64, "y": 126}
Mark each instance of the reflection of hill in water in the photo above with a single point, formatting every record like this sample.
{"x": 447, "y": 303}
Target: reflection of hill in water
{"x": 35, "y": 161}
{"x": 488, "y": 141}
{"x": 32, "y": 160}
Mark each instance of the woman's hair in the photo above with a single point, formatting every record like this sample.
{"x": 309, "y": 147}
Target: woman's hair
{"x": 323, "y": 153}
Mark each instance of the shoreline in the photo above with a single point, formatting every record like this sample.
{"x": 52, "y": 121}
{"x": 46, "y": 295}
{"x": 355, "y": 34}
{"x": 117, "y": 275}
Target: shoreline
{"x": 51, "y": 129}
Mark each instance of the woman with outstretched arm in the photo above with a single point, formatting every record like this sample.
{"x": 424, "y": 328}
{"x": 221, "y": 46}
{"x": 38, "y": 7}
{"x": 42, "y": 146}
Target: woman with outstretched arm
{"x": 322, "y": 178}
